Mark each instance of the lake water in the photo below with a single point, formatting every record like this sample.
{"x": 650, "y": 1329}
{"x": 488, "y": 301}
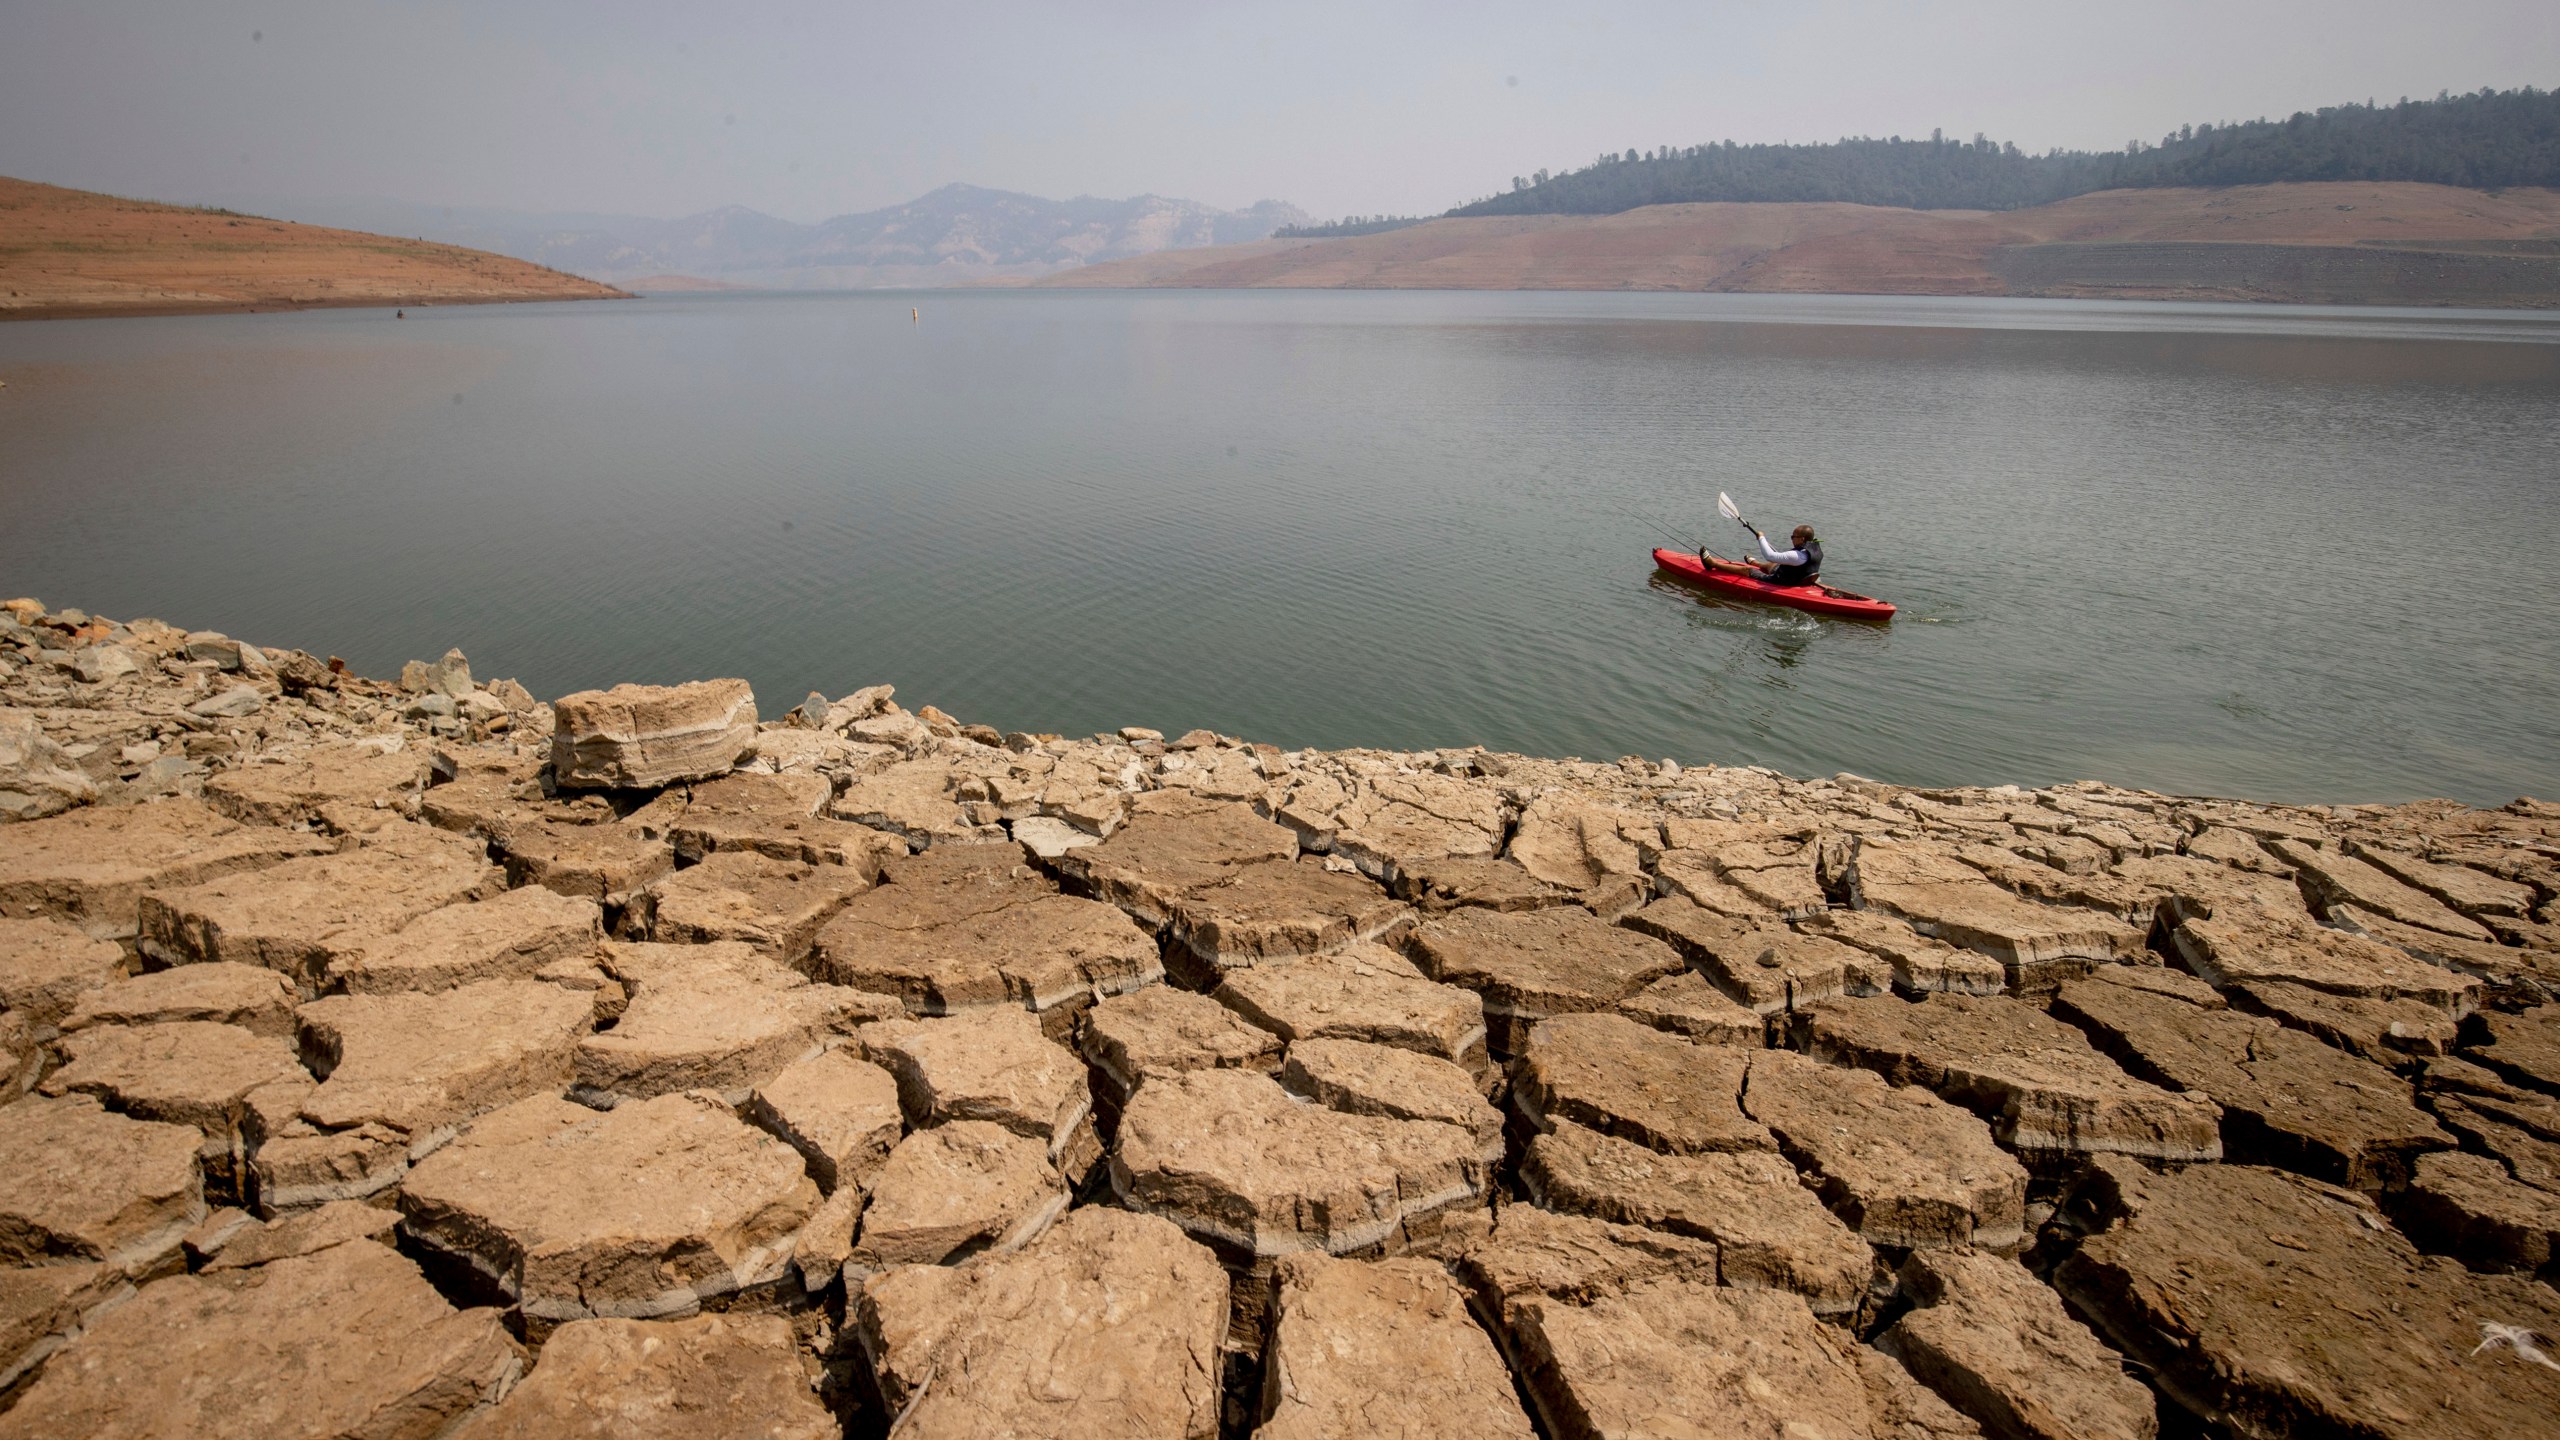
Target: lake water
{"x": 2277, "y": 552}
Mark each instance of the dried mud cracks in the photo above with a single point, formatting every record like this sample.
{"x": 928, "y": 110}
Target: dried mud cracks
{"x": 418, "y": 1059}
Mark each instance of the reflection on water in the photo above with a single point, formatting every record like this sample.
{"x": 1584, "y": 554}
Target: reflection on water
{"x": 2275, "y": 551}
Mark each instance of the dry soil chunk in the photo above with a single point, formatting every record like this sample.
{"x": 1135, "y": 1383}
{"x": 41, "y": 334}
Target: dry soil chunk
{"x": 42, "y": 1306}
{"x": 2525, "y": 1048}
{"x": 1366, "y": 992}
{"x": 251, "y": 997}
{"x": 706, "y": 1017}
{"x": 2473, "y": 892}
{"x": 1942, "y": 897}
{"x": 2286, "y": 1098}
{"x": 420, "y": 1064}
{"x": 839, "y": 1111}
{"x": 2336, "y": 878}
{"x": 639, "y": 736}
{"x": 1161, "y": 1029}
{"x": 1623, "y": 1078}
{"x": 605, "y": 862}
{"x": 46, "y": 966}
{"x": 1363, "y": 1079}
{"x": 355, "y": 773}
{"x": 640, "y": 1211}
{"x": 1901, "y": 1166}
{"x": 2046, "y": 1092}
{"x": 772, "y": 815}
{"x": 351, "y": 1341}
{"x": 775, "y": 905}
{"x": 1109, "y": 1324}
{"x": 510, "y": 937}
{"x": 713, "y": 1377}
{"x": 1229, "y": 1156}
{"x": 1994, "y": 1342}
{"x": 1769, "y": 1231}
{"x": 1689, "y": 1005}
{"x": 1281, "y": 910}
{"x": 2468, "y": 1206}
{"x": 961, "y": 926}
{"x": 2386, "y": 1032}
{"x": 1680, "y": 1358}
{"x": 2291, "y": 1308}
{"x": 1381, "y": 1348}
{"x": 187, "y": 1072}
{"x": 1531, "y": 1251}
{"x": 1765, "y": 966}
{"x": 2237, "y": 948}
{"x": 991, "y": 1065}
{"x": 1921, "y": 965}
{"x": 952, "y": 1191}
{"x": 1174, "y": 842}
{"x": 294, "y": 917}
{"x": 1438, "y": 886}
{"x": 307, "y": 1233}
{"x": 90, "y": 867}
{"x": 1532, "y": 965}
{"x": 77, "y": 1183}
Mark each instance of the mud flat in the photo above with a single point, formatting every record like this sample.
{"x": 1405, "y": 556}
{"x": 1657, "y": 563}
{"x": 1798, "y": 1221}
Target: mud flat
{"x": 420, "y": 1057}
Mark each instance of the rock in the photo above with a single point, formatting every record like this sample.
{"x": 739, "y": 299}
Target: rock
{"x": 2469, "y": 1207}
{"x": 1996, "y": 1344}
{"x": 839, "y": 1111}
{"x": 512, "y": 936}
{"x": 824, "y": 1246}
{"x": 237, "y": 702}
{"x": 1439, "y": 886}
{"x": 1573, "y": 1258}
{"x": 2525, "y": 1048}
{"x": 713, "y": 1377}
{"x": 298, "y": 1166}
{"x": 2335, "y": 878}
{"x": 1532, "y": 965}
{"x": 955, "y": 1191}
{"x": 1050, "y": 838}
{"x": 1230, "y": 1157}
{"x": 46, "y": 967}
{"x": 605, "y": 863}
{"x": 1380, "y": 1348}
{"x": 635, "y": 737}
{"x": 2048, "y": 1095}
{"x": 36, "y": 778}
{"x": 963, "y": 926}
{"x": 21, "y": 1055}
{"x": 2510, "y": 977}
{"x": 182, "y": 1073}
{"x": 251, "y": 997}
{"x": 1161, "y": 1030}
{"x": 1764, "y": 966}
{"x": 1362, "y": 1079}
{"x": 777, "y": 906}
{"x": 78, "y": 1183}
{"x": 1689, "y": 1005}
{"x": 294, "y": 917}
{"x": 1173, "y": 842}
{"x": 771, "y": 815}
{"x": 308, "y": 1233}
{"x": 711, "y": 1017}
{"x": 1392, "y": 823}
{"x": 2228, "y": 952}
{"x": 1367, "y": 993}
{"x": 642, "y": 1211}
{"x": 1620, "y": 1077}
{"x": 1899, "y": 1165}
{"x": 916, "y": 800}
{"x": 359, "y": 773}
{"x": 1280, "y": 910}
{"x": 1921, "y": 966}
{"x": 99, "y": 664}
{"x": 2473, "y": 892}
{"x": 1108, "y": 1325}
{"x": 2254, "y": 1293}
{"x": 2389, "y": 1033}
{"x": 1677, "y": 1357}
{"x": 43, "y": 1307}
{"x": 422, "y": 1064}
{"x": 1769, "y": 1231}
{"x": 992, "y": 1065}
{"x": 89, "y": 869}
{"x": 2184, "y": 887}
{"x": 1942, "y": 897}
{"x": 2286, "y": 1099}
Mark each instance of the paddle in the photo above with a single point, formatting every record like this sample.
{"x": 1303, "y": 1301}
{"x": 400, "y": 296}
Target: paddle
{"x": 1733, "y": 512}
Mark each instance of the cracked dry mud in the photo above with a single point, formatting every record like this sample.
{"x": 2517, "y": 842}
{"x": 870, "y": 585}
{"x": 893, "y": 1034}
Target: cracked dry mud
{"x": 631, "y": 1065}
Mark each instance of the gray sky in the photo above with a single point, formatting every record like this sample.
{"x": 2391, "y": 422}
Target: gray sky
{"x": 810, "y": 110}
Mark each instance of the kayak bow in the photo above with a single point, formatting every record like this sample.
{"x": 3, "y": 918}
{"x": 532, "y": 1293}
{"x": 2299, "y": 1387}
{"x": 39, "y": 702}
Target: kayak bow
{"x": 1820, "y": 599}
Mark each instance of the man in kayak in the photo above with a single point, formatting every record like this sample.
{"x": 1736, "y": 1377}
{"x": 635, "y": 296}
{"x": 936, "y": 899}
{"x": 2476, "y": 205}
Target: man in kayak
{"x": 1799, "y": 566}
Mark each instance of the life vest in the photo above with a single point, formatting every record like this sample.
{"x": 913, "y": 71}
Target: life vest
{"x": 1803, "y": 574}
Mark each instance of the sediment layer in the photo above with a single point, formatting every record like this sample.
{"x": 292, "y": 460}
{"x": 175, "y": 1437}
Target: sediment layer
{"x": 420, "y": 1057}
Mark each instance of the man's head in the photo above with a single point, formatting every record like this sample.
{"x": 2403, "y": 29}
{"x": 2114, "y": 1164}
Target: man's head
{"x": 1803, "y": 536}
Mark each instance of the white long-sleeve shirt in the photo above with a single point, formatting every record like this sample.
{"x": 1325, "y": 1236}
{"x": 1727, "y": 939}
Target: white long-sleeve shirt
{"x": 1780, "y": 557}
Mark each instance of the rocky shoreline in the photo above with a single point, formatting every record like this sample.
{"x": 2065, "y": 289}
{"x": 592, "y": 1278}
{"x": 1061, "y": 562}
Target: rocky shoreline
{"x": 415, "y": 1057}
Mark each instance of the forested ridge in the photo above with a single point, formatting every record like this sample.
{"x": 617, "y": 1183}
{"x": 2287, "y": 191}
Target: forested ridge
{"x": 2487, "y": 140}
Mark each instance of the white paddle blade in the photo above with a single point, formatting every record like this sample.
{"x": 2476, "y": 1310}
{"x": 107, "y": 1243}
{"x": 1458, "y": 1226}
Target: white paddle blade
{"x": 1726, "y": 507}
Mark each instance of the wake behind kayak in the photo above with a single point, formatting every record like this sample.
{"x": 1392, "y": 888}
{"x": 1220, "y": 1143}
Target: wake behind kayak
{"x": 1820, "y": 599}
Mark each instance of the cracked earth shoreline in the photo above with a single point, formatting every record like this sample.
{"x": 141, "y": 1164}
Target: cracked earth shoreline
{"x": 415, "y": 1057}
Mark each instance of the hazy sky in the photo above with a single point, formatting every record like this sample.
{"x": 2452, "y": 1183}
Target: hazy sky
{"x": 810, "y": 110}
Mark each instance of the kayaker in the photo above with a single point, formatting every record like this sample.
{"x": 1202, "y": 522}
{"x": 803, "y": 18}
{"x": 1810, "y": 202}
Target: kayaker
{"x": 1801, "y": 565}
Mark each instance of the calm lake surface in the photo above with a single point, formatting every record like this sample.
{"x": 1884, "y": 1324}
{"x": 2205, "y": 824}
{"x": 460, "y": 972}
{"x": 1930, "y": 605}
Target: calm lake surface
{"x": 2277, "y": 552}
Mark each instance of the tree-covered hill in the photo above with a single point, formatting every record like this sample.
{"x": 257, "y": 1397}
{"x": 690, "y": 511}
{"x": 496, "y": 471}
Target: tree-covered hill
{"x": 2487, "y": 140}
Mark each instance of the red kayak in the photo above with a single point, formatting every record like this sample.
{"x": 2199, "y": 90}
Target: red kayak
{"x": 1820, "y": 599}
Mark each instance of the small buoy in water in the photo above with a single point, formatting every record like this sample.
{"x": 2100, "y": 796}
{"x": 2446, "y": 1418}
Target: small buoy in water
{"x": 914, "y": 316}
{"x": 399, "y": 314}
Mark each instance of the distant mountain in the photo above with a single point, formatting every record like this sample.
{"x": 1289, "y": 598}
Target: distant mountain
{"x": 956, "y": 234}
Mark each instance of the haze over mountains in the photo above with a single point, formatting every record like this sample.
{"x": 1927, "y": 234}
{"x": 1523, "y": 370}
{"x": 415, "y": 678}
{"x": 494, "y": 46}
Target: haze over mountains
{"x": 957, "y": 234}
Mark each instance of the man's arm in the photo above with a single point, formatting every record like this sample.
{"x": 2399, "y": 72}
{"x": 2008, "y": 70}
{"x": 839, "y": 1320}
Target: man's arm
{"x": 1778, "y": 556}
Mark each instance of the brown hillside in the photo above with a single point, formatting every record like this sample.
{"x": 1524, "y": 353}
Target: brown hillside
{"x": 2342, "y": 243}
{"x": 72, "y": 252}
